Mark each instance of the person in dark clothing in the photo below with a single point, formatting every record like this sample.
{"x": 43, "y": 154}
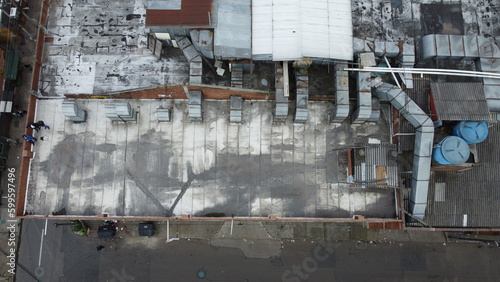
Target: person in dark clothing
{"x": 34, "y": 126}
{"x": 30, "y": 139}
{"x": 40, "y": 123}
{"x": 100, "y": 248}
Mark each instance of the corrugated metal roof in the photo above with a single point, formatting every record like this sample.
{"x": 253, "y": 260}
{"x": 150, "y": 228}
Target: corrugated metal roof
{"x": 262, "y": 28}
{"x": 292, "y": 29}
{"x": 192, "y": 13}
{"x": 376, "y": 167}
{"x": 473, "y": 192}
{"x": 233, "y": 34}
{"x": 460, "y": 101}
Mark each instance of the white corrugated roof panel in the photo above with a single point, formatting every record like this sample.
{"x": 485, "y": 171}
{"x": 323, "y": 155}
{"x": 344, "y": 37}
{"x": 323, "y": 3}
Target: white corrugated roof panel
{"x": 293, "y": 29}
{"x": 286, "y": 30}
{"x": 313, "y": 28}
{"x": 262, "y": 26}
{"x": 340, "y": 29}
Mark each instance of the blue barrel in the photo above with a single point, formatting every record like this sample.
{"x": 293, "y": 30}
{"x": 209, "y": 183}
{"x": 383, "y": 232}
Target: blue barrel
{"x": 451, "y": 150}
{"x": 471, "y": 131}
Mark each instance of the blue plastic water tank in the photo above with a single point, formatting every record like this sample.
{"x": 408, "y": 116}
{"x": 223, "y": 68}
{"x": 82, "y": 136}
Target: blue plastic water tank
{"x": 451, "y": 150}
{"x": 471, "y": 131}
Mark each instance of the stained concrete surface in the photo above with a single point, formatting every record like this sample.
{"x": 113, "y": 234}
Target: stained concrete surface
{"x": 252, "y": 238}
{"x": 408, "y": 20}
{"x": 101, "y": 46}
{"x": 148, "y": 168}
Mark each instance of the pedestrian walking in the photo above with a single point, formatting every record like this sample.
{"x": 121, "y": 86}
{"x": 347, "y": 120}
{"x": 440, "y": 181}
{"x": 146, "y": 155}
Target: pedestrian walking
{"x": 29, "y": 138}
{"x": 42, "y": 124}
{"x": 34, "y": 125}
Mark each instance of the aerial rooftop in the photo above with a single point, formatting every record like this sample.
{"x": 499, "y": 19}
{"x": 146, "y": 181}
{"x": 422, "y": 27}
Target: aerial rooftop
{"x": 151, "y": 168}
{"x": 257, "y": 167}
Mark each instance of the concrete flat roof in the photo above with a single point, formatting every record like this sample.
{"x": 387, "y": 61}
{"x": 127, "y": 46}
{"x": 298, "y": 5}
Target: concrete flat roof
{"x": 150, "y": 168}
{"x": 100, "y": 47}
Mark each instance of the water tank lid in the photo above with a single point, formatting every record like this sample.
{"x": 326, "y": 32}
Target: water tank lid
{"x": 474, "y": 131}
{"x": 455, "y": 150}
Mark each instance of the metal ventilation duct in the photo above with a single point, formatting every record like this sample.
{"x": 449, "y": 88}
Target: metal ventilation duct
{"x": 195, "y": 111}
{"x": 120, "y": 112}
{"x": 73, "y": 112}
{"x": 423, "y": 144}
{"x": 468, "y": 47}
{"x": 163, "y": 114}
{"x": 235, "y": 108}
{"x": 302, "y": 99}
{"x": 364, "y": 110}
{"x": 193, "y": 57}
{"x": 281, "y": 106}
{"x": 341, "y": 77}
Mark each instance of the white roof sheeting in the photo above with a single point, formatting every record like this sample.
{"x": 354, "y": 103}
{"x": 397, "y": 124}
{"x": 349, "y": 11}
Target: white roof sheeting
{"x": 285, "y": 30}
{"x": 262, "y": 27}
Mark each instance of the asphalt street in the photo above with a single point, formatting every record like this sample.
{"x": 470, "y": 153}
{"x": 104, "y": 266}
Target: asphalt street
{"x": 67, "y": 257}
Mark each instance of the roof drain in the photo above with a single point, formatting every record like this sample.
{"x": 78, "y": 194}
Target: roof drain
{"x": 423, "y": 144}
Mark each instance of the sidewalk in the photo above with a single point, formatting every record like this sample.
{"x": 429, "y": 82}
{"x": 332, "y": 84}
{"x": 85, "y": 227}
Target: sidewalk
{"x": 14, "y": 128}
{"x": 257, "y": 239}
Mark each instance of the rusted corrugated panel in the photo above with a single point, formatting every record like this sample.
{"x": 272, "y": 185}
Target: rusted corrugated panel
{"x": 192, "y": 13}
{"x": 460, "y": 101}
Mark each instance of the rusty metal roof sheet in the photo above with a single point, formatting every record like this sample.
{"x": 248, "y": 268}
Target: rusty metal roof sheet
{"x": 460, "y": 101}
{"x": 192, "y": 13}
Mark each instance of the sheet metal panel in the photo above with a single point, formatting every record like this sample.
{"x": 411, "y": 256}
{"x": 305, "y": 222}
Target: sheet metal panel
{"x": 429, "y": 50}
{"x": 485, "y": 47}
{"x": 457, "y": 47}
{"x": 235, "y": 108}
{"x": 470, "y": 47}
{"x": 233, "y": 34}
{"x": 163, "y": 114}
{"x": 443, "y": 46}
{"x": 301, "y": 111}
{"x": 375, "y": 116}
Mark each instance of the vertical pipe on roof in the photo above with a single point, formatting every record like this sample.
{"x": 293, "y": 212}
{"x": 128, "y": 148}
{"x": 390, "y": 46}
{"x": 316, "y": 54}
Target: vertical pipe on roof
{"x": 423, "y": 144}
